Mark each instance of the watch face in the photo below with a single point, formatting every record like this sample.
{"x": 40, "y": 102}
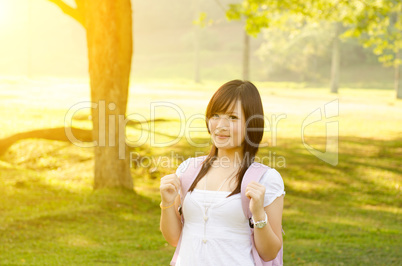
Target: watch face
{"x": 260, "y": 224}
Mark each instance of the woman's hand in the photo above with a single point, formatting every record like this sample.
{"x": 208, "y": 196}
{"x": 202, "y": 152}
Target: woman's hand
{"x": 169, "y": 188}
{"x": 256, "y": 192}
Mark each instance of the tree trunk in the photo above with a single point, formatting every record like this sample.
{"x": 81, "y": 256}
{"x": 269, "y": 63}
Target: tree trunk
{"x": 336, "y": 59}
{"x": 246, "y": 57}
{"x": 398, "y": 77}
{"x": 109, "y": 38}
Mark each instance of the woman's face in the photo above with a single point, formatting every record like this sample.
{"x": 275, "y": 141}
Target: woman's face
{"x": 228, "y": 128}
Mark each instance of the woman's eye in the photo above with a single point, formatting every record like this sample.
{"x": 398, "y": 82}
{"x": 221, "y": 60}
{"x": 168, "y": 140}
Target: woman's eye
{"x": 215, "y": 116}
{"x": 233, "y": 117}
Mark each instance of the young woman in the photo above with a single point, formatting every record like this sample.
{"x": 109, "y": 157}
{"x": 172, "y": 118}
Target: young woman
{"x": 216, "y": 231}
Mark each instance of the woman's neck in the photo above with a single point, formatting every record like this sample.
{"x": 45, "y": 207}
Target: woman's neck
{"x": 230, "y": 157}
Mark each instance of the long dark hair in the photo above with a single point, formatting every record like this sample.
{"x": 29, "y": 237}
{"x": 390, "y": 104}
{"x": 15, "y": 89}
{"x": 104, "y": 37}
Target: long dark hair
{"x": 251, "y": 104}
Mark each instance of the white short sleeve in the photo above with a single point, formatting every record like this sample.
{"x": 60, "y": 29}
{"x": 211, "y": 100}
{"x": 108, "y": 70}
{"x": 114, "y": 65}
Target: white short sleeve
{"x": 182, "y": 167}
{"x": 274, "y": 186}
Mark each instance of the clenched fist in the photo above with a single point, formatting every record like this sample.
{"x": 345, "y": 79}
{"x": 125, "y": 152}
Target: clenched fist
{"x": 256, "y": 193}
{"x": 169, "y": 188}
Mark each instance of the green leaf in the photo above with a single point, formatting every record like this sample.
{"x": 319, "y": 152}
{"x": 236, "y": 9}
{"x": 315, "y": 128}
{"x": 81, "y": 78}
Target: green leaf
{"x": 201, "y": 21}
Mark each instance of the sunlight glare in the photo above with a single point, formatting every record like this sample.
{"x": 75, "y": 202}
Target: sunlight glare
{"x": 5, "y": 11}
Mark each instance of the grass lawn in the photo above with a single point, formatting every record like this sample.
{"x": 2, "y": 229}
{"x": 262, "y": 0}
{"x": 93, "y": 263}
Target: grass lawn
{"x": 348, "y": 214}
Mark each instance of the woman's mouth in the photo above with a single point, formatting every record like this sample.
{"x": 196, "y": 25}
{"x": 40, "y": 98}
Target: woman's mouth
{"x": 222, "y": 136}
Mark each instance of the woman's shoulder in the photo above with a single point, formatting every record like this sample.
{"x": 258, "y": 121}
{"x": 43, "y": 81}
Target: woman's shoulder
{"x": 272, "y": 179}
{"x": 186, "y": 163}
{"x": 274, "y": 186}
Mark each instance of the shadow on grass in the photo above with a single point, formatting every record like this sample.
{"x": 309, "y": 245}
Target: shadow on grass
{"x": 45, "y": 223}
{"x": 349, "y": 211}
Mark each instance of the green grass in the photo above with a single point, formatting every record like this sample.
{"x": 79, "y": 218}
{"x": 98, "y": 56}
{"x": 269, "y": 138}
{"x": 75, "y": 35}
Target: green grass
{"x": 349, "y": 214}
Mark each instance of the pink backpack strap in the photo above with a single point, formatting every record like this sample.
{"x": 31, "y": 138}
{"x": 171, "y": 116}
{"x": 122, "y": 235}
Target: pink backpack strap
{"x": 186, "y": 180}
{"x": 254, "y": 173}
{"x": 189, "y": 175}
{"x": 176, "y": 252}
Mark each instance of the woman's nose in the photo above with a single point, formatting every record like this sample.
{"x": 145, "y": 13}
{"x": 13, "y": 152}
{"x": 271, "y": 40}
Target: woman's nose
{"x": 222, "y": 122}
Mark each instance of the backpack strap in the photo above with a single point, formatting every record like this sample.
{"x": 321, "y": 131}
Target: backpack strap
{"x": 186, "y": 180}
{"x": 253, "y": 173}
{"x": 189, "y": 175}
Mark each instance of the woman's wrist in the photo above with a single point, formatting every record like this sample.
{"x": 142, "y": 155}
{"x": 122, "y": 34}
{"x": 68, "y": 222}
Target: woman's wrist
{"x": 166, "y": 205}
{"x": 260, "y": 215}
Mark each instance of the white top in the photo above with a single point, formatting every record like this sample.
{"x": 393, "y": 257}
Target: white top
{"x": 223, "y": 237}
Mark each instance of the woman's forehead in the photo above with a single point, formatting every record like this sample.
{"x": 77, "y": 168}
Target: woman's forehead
{"x": 233, "y": 108}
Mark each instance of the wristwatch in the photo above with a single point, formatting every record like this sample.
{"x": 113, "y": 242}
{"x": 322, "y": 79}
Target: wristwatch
{"x": 260, "y": 224}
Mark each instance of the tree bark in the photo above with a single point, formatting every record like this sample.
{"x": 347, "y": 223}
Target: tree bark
{"x": 75, "y": 13}
{"x": 246, "y": 56}
{"x": 336, "y": 59}
{"x": 108, "y": 25}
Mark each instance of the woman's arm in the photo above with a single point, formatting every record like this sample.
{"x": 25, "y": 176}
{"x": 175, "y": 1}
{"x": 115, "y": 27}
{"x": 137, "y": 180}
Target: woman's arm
{"x": 170, "y": 223}
{"x": 268, "y": 240}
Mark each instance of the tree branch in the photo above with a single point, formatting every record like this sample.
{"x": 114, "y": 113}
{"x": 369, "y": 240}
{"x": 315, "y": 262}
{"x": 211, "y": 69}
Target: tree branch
{"x": 75, "y": 13}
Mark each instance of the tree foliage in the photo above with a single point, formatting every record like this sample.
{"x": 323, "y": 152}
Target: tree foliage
{"x": 375, "y": 23}
{"x": 378, "y": 24}
{"x": 298, "y": 50}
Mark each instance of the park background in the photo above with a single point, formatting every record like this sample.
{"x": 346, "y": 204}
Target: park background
{"x": 348, "y": 213}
